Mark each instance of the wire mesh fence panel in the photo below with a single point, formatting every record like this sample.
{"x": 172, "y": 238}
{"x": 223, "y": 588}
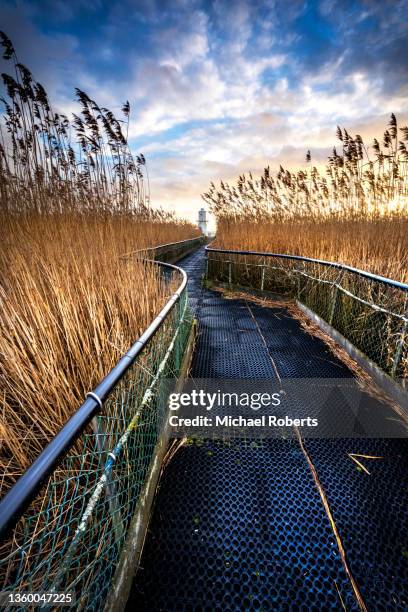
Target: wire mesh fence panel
{"x": 70, "y": 538}
{"x": 370, "y": 313}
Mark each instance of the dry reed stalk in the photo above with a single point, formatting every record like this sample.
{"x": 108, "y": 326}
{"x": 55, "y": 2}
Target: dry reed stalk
{"x": 340, "y": 546}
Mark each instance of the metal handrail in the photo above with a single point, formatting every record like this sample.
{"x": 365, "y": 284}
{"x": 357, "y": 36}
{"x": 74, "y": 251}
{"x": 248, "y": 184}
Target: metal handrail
{"x": 369, "y": 275}
{"x": 160, "y": 246}
{"x": 16, "y": 501}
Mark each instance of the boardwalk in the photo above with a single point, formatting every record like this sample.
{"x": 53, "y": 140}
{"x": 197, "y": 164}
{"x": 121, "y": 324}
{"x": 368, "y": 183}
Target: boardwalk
{"x": 242, "y": 525}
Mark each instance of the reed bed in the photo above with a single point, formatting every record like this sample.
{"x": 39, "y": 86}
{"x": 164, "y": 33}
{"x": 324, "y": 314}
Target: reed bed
{"x": 73, "y": 199}
{"x": 379, "y": 246}
{"x": 70, "y": 309}
{"x": 353, "y": 210}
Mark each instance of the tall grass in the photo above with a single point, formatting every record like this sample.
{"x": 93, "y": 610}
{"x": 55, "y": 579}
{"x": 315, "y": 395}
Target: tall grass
{"x": 354, "y": 210}
{"x": 50, "y": 163}
{"x": 73, "y": 199}
{"x": 379, "y": 246}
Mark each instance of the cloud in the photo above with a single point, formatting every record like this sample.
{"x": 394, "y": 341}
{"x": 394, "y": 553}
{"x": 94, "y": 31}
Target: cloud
{"x": 52, "y": 58}
{"x": 217, "y": 88}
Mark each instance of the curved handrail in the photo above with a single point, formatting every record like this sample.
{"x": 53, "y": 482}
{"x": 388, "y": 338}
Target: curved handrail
{"x": 369, "y": 275}
{"x": 19, "y": 497}
{"x": 159, "y": 246}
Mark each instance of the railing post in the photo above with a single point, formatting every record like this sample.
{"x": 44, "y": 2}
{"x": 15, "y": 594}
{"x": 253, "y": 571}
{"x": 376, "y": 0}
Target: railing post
{"x": 229, "y": 272}
{"x": 263, "y": 275}
{"x": 298, "y": 282}
{"x": 177, "y": 348}
{"x": 335, "y": 294}
{"x": 400, "y": 345}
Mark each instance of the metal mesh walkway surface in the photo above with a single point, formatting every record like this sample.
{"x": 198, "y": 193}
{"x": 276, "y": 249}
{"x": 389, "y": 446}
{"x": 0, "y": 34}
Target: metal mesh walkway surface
{"x": 241, "y": 524}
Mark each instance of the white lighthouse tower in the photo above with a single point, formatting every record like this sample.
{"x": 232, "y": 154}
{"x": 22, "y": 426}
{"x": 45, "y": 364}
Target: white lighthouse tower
{"x": 202, "y": 221}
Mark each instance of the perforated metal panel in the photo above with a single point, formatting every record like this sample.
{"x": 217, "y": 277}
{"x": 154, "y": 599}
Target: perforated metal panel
{"x": 236, "y": 527}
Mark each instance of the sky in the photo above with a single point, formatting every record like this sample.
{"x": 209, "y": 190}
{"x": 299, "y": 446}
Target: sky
{"x": 221, "y": 87}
